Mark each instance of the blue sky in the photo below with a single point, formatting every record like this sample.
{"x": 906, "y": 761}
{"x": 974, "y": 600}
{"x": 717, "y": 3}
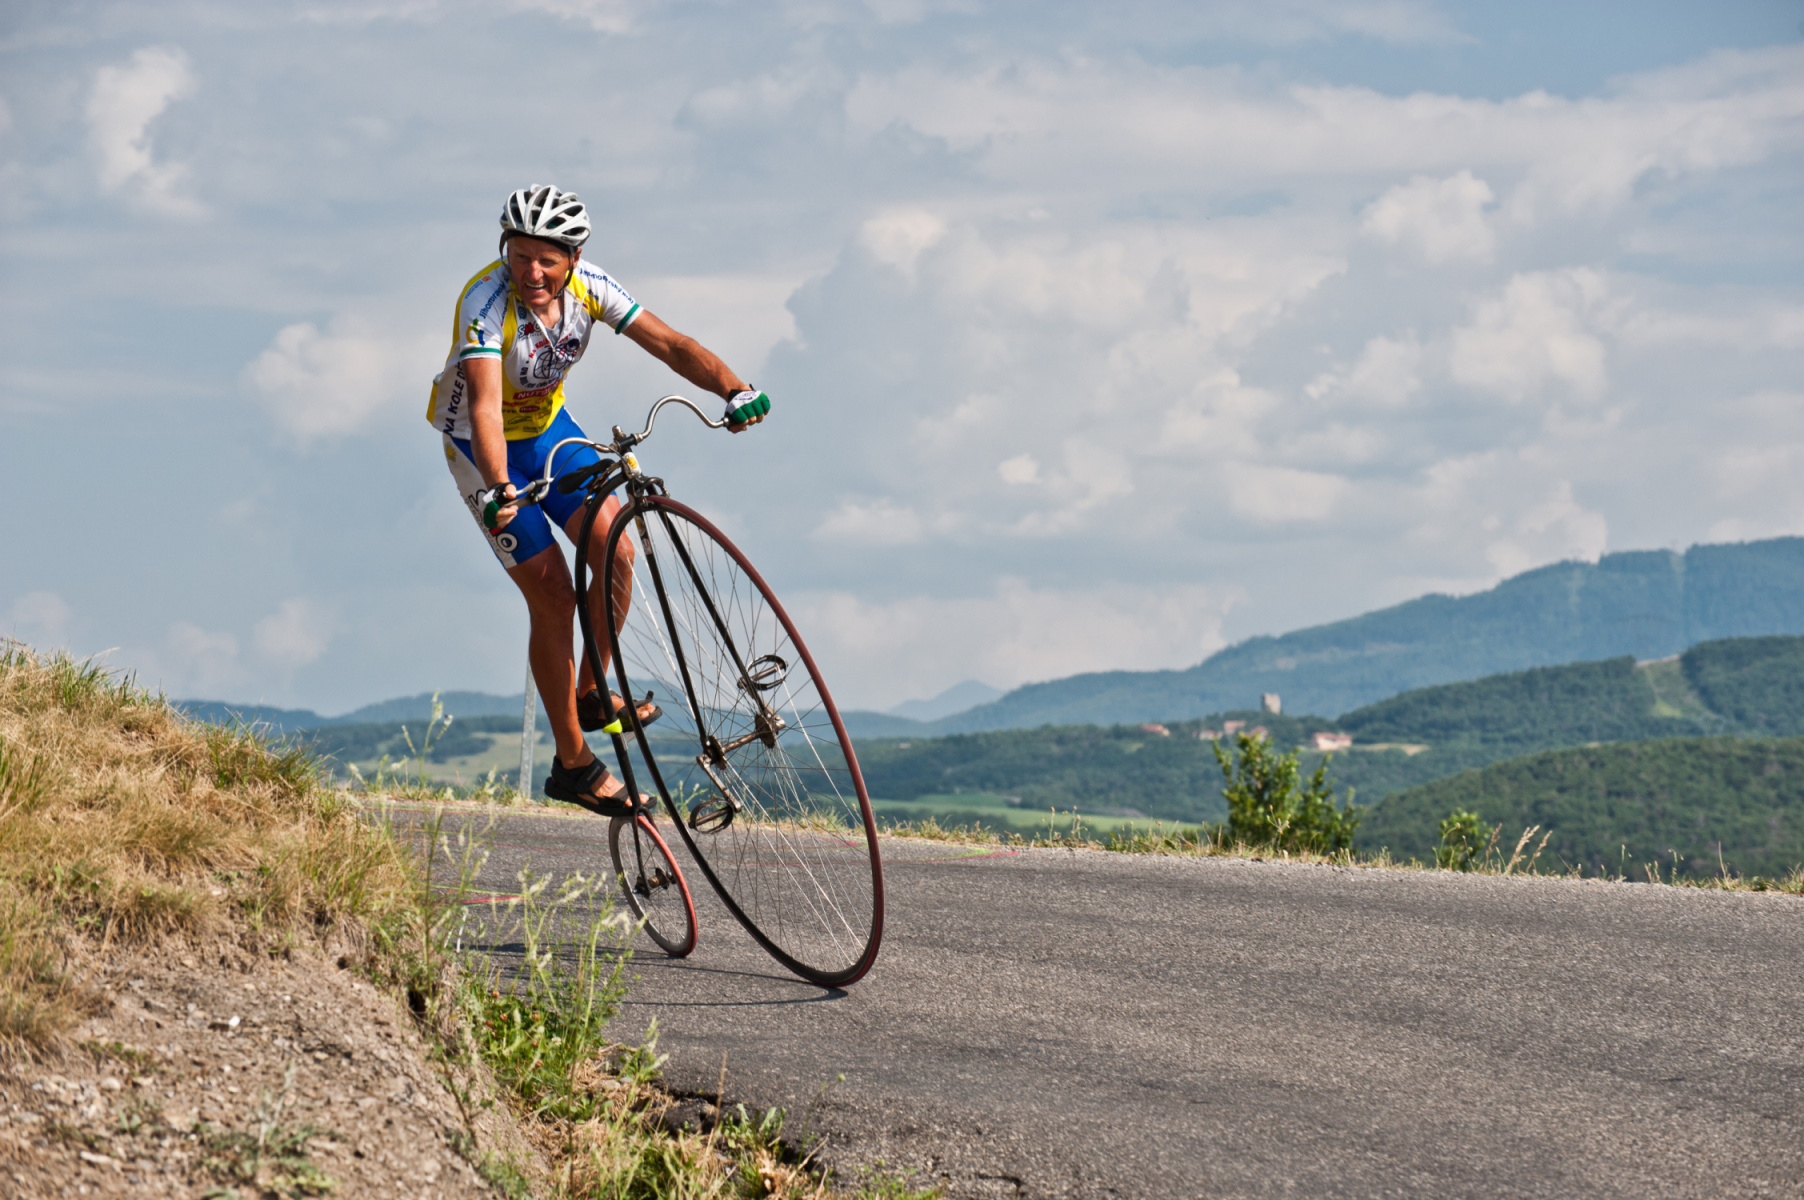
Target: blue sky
{"x": 1097, "y": 337}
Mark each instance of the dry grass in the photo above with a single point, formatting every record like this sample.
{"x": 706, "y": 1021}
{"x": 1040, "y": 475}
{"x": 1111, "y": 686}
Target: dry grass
{"x": 122, "y": 821}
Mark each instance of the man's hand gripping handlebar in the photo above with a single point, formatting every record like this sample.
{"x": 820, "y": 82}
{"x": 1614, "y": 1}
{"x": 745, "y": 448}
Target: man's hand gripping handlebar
{"x": 500, "y": 503}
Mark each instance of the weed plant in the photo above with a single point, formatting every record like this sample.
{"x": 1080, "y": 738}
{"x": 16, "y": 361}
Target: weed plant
{"x": 537, "y": 1023}
{"x": 1463, "y": 838}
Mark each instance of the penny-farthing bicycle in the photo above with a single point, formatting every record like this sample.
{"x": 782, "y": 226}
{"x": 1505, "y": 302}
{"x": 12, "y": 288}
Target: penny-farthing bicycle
{"x": 751, "y": 759}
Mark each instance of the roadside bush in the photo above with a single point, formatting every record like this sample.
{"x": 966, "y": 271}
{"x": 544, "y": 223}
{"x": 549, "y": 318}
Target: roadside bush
{"x": 1463, "y": 840}
{"x": 1266, "y": 807}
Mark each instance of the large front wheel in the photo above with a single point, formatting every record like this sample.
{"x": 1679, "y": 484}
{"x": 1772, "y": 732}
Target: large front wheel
{"x": 751, "y": 756}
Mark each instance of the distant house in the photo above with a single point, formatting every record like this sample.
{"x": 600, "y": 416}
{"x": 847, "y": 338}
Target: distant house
{"x": 1260, "y": 732}
{"x": 1158, "y": 729}
{"x": 1270, "y": 703}
{"x": 1209, "y": 735}
{"x": 1331, "y": 741}
{"x": 1230, "y": 728}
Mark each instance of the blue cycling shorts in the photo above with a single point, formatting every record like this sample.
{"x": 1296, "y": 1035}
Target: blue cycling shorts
{"x": 529, "y": 533}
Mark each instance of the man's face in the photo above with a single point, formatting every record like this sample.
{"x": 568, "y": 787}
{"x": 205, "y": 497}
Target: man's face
{"x": 539, "y": 268}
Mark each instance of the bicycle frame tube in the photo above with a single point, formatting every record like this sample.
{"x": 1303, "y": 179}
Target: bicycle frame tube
{"x": 607, "y": 581}
{"x": 591, "y": 509}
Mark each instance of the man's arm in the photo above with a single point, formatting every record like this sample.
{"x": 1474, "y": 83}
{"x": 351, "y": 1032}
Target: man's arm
{"x": 488, "y": 437}
{"x": 682, "y": 354}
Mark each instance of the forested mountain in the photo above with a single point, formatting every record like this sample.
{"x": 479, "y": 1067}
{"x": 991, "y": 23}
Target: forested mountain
{"x": 1616, "y": 808}
{"x": 1400, "y": 743}
{"x": 1538, "y": 709}
{"x": 1756, "y": 684}
{"x": 1637, "y": 604}
{"x": 1121, "y": 770}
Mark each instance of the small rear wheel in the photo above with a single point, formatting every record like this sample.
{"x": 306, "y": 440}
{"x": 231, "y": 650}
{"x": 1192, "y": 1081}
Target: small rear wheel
{"x": 655, "y": 890}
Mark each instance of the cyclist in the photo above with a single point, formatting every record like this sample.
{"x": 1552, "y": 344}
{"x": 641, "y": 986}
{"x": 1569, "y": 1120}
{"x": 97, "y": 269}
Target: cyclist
{"x": 522, "y": 322}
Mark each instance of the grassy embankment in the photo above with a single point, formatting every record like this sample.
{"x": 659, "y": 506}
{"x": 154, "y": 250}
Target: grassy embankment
{"x": 123, "y": 822}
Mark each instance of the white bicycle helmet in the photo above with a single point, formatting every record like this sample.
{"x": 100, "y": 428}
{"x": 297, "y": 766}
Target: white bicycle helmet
{"x": 541, "y": 211}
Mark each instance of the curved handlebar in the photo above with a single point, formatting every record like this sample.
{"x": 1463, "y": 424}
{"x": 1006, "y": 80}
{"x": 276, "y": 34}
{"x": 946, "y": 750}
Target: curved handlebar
{"x": 651, "y": 418}
{"x": 622, "y": 443}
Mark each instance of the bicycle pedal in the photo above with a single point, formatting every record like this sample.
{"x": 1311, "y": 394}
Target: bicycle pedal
{"x": 713, "y": 814}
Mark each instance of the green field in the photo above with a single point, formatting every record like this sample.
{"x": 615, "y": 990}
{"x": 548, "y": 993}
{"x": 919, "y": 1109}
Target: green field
{"x": 473, "y": 753}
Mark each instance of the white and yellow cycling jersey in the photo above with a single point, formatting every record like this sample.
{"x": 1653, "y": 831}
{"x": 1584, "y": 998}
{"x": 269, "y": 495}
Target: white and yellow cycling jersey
{"x": 491, "y": 322}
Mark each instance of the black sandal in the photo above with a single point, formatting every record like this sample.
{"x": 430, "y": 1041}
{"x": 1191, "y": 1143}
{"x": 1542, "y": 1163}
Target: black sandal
{"x": 592, "y": 714}
{"x": 578, "y": 787}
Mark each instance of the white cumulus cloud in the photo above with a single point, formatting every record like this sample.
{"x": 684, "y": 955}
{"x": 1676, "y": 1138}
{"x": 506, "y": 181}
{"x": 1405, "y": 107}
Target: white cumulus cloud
{"x": 317, "y": 384}
{"x": 124, "y": 101}
{"x": 1023, "y": 468}
{"x": 1386, "y": 374}
{"x": 1532, "y": 334}
{"x": 877, "y": 523}
{"x": 296, "y": 634}
{"x": 1442, "y": 220}
{"x": 1013, "y": 635}
{"x": 898, "y": 239}
{"x": 193, "y": 663}
{"x": 603, "y": 16}
{"x": 1281, "y": 494}
{"x": 39, "y": 619}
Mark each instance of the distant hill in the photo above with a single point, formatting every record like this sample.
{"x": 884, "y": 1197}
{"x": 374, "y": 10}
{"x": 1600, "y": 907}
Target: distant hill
{"x": 1545, "y": 707}
{"x": 863, "y": 724}
{"x": 1121, "y": 770}
{"x": 1755, "y": 684}
{"x": 1640, "y": 604}
{"x": 281, "y": 720}
{"x": 1677, "y": 802}
{"x": 1433, "y": 733}
{"x": 418, "y": 708}
{"x": 406, "y": 708}
{"x": 955, "y": 699}
{"x": 362, "y": 741}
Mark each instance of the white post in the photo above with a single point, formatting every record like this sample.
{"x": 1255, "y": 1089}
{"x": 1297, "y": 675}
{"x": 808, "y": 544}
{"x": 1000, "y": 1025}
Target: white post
{"x": 528, "y": 733}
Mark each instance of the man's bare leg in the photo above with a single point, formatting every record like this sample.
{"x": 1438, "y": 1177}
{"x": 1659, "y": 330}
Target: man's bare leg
{"x": 544, "y": 580}
{"x": 623, "y": 589}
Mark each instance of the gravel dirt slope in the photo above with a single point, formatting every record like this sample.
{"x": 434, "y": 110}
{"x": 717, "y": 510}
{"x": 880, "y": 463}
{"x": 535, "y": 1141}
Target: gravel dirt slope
{"x": 227, "y": 1042}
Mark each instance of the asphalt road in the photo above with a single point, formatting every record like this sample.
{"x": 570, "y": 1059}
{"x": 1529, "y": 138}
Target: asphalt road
{"x": 1078, "y": 1023}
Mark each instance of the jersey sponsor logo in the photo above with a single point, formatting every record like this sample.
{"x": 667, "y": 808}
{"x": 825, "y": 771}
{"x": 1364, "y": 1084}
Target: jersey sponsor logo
{"x": 508, "y": 542}
{"x": 495, "y": 295}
